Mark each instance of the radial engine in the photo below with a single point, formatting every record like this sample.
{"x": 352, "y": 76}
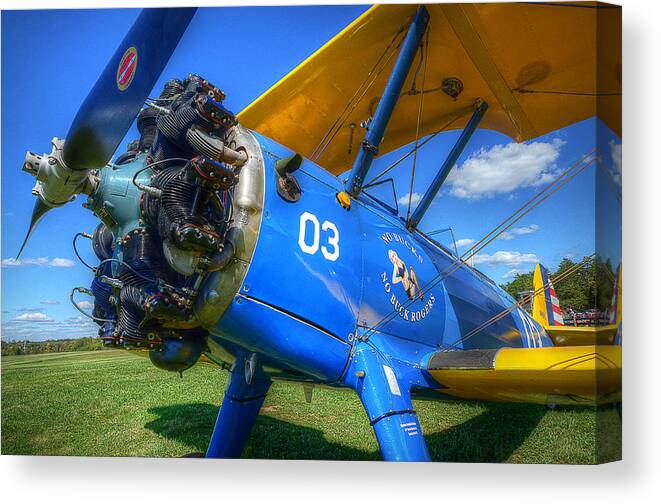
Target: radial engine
{"x": 166, "y": 206}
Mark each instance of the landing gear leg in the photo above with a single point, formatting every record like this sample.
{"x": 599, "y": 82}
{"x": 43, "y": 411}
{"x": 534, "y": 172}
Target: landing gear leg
{"x": 243, "y": 399}
{"x": 389, "y": 409}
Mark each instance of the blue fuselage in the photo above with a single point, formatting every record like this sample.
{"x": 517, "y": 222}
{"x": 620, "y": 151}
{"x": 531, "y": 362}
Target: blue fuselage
{"x": 323, "y": 278}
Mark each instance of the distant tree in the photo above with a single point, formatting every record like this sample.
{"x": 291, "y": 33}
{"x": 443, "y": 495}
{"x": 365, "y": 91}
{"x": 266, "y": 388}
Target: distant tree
{"x": 520, "y": 283}
{"x": 588, "y": 287}
{"x": 575, "y": 291}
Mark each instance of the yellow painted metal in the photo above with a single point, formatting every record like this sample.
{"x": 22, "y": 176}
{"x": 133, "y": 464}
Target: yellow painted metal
{"x": 559, "y": 375}
{"x": 539, "y": 310}
{"x": 580, "y": 336}
{"x": 344, "y": 199}
{"x": 538, "y": 66}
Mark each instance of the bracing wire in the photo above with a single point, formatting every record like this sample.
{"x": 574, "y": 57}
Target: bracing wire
{"x": 565, "y": 177}
{"x": 431, "y": 136}
{"x": 564, "y": 93}
{"x": 362, "y": 89}
{"x": 339, "y": 119}
{"x": 519, "y": 304}
{"x": 417, "y": 126}
{"x": 490, "y": 237}
{"x": 481, "y": 245}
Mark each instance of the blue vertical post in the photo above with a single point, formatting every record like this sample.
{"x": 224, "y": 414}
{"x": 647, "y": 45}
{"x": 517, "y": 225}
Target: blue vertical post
{"x": 447, "y": 166}
{"x": 238, "y": 412}
{"x": 393, "y": 89}
{"x": 386, "y": 398}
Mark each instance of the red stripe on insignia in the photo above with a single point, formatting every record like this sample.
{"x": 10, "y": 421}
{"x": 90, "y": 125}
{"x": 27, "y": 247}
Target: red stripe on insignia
{"x": 128, "y": 72}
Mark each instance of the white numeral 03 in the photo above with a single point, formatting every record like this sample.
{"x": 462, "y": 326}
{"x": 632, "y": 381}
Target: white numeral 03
{"x": 330, "y": 252}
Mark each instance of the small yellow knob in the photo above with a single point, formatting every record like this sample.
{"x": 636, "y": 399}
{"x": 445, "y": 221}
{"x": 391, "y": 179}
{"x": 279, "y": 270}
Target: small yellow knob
{"x": 344, "y": 200}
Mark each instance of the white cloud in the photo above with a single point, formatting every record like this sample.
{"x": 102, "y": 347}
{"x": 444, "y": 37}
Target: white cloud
{"x": 415, "y": 199}
{"x": 56, "y": 262}
{"x": 505, "y": 168}
{"x": 50, "y": 302}
{"x": 513, "y": 272}
{"x": 519, "y": 231}
{"x": 616, "y": 158}
{"x": 33, "y": 317}
{"x": 465, "y": 242}
{"x": 85, "y": 305}
{"x": 37, "y": 328}
{"x": 60, "y": 262}
{"x": 79, "y": 321}
{"x": 508, "y": 258}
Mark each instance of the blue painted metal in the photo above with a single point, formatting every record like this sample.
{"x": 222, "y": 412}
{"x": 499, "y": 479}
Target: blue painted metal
{"x": 329, "y": 320}
{"x": 117, "y": 199}
{"x": 379, "y": 122}
{"x": 417, "y": 320}
{"x": 314, "y": 319}
{"x": 286, "y": 341}
{"x": 108, "y": 111}
{"x": 280, "y": 278}
{"x": 448, "y": 164}
{"x": 383, "y": 385}
{"x": 238, "y": 411}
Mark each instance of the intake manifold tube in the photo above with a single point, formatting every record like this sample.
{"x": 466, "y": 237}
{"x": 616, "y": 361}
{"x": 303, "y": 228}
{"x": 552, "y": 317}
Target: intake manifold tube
{"x": 221, "y": 259}
{"x": 214, "y": 148}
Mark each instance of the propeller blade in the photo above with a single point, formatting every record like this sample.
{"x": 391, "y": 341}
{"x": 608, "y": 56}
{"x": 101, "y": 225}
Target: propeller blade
{"x": 120, "y": 92}
{"x": 39, "y": 210}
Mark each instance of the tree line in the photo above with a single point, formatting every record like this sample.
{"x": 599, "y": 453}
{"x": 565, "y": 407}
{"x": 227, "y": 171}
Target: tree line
{"x": 589, "y": 287}
{"x": 50, "y": 346}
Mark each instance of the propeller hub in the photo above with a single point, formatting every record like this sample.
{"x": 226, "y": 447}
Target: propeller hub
{"x": 56, "y": 183}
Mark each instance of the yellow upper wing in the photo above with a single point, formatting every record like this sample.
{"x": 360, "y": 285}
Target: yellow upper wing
{"x": 539, "y": 67}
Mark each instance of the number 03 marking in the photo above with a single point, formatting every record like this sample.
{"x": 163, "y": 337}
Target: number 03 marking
{"x": 331, "y": 250}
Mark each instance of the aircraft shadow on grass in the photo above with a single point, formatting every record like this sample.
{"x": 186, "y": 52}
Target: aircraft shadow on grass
{"x": 492, "y": 436}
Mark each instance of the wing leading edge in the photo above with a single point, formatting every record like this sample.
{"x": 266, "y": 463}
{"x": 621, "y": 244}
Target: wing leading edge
{"x": 585, "y": 375}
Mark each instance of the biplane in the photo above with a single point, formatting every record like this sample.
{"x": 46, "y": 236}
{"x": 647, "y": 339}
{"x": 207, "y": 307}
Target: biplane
{"x": 248, "y": 241}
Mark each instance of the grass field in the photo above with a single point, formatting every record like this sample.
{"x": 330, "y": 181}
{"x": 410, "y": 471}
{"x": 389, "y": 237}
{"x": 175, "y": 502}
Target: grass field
{"x": 111, "y": 403}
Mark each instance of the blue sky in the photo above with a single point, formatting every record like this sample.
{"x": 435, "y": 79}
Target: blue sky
{"x": 244, "y": 61}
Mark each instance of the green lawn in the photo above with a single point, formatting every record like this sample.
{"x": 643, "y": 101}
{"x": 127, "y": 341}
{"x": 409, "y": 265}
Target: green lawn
{"x": 109, "y": 403}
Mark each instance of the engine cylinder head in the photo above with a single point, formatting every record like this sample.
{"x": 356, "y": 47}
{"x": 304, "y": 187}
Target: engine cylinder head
{"x": 103, "y": 242}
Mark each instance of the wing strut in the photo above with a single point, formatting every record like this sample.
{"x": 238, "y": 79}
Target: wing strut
{"x": 448, "y": 164}
{"x": 391, "y": 93}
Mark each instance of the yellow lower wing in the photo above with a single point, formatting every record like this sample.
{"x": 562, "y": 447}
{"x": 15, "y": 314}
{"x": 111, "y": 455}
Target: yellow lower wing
{"x": 580, "y": 336}
{"x": 588, "y": 375}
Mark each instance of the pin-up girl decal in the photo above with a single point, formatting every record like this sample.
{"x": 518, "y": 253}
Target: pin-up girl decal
{"x": 407, "y": 277}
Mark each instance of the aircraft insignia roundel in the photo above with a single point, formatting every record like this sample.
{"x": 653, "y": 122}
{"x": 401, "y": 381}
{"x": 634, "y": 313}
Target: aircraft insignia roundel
{"x": 127, "y": 68}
